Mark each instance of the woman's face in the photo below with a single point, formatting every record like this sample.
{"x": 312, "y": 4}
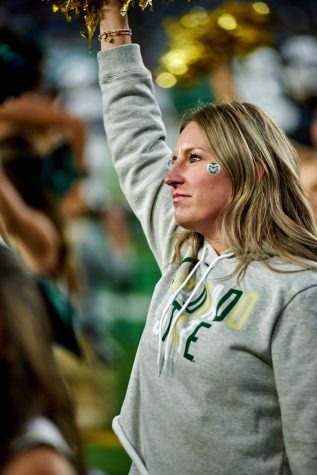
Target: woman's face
{"x": 198, "y": 195}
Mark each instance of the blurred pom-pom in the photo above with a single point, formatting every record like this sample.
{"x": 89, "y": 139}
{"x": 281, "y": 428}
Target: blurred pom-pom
{"x": 76, "y": 8}
{"x": 89, "y": 10}
{"x": 201, "y": 40}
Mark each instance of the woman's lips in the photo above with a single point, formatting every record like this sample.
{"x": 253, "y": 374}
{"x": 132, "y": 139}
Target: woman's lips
{"x": 179, "y": 197}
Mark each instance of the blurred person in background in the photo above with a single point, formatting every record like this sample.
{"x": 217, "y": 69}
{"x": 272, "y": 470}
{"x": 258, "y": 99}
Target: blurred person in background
{"x": 42, "y": 155}
{"x": 38, "y": 432}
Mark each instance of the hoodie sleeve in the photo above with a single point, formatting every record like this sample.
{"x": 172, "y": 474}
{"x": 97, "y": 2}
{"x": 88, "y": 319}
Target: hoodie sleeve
{"x": 137, "y": 141}
{"x": 294, "y": 351}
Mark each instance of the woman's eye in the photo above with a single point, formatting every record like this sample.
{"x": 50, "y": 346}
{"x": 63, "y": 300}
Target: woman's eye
{"x": 171, "y": 162}
{"x": 194, "y": 158}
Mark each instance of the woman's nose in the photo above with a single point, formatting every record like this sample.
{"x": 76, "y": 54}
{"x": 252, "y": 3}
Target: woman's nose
{"x": 174, "y": 176}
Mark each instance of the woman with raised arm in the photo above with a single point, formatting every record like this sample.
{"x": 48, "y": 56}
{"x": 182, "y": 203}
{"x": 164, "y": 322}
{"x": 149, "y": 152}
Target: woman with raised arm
{"x": 225, "y": 376}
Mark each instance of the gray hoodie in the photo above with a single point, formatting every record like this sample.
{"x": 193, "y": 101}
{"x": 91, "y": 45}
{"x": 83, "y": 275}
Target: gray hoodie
{"x": 225, "y": 377}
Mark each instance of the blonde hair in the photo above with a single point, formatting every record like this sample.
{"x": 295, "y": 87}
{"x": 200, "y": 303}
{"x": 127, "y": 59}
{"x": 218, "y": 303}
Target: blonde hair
{"x": 267, "y": 214}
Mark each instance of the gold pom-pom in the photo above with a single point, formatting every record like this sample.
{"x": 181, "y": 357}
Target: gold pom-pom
{"x": 201, "y": 40}
{"x": 89, "y": 10}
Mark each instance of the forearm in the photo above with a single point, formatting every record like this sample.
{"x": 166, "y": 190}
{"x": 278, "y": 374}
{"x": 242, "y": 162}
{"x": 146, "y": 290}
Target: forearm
{"x": 42, "y": 114}
{"x": 28, "y": 230}
{"x": 222, "y": 83}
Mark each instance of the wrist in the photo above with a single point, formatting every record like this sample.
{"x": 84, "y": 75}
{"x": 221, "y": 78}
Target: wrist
{"x": 112, "y": 34}
{"x": 114, "y": 27}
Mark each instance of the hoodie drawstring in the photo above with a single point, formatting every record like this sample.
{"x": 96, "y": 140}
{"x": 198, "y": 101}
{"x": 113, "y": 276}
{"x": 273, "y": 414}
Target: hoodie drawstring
{"x": 162, "y": 361}
{"x": 165, "y": 311}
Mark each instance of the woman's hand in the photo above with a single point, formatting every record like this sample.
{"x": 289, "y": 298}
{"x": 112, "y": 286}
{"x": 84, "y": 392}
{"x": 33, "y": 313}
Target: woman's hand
{"x": 112, "y": 20}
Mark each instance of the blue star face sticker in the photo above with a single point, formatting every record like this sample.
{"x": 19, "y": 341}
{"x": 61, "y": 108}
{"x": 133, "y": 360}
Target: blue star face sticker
{"x": 213, "y": 168}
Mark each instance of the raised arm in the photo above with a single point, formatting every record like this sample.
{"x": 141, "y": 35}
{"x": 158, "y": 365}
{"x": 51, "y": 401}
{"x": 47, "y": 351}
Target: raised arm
{"x": 29, "y": 231}
{"x": 135, "y": 131}
{"x": 33, "y": 110}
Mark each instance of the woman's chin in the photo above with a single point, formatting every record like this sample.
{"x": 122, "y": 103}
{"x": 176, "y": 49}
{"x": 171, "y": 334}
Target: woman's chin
{"x": 184, "y": 223}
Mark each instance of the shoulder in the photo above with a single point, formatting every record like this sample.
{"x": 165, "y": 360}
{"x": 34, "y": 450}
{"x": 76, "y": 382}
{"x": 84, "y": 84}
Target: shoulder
{"x": 297, "y": 280}
{"x": 280, "y": 285}
{"x": 41, "y": 431}
{"x": 39, "y": 461}
{"x": 282, "y": 275}
{"x": 41, "y": 446}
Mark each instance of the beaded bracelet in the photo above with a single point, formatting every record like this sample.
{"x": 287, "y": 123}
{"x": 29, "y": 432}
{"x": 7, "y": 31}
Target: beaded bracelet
{"x": 109, "y": 35}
